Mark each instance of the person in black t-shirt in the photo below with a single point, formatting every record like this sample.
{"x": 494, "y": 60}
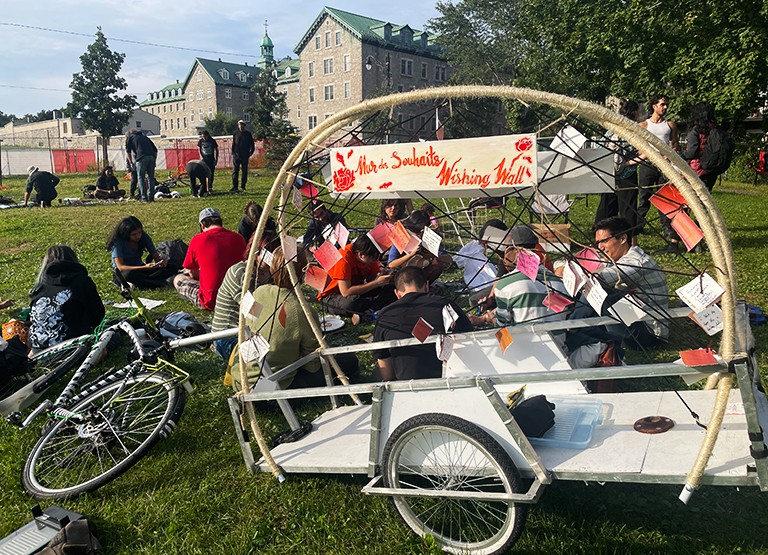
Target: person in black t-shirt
{"x": 242, "y": 150}
{"x": 209, "y": 152}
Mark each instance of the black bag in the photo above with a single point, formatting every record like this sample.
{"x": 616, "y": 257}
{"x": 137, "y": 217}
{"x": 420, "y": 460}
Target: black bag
{"x": 534, "y": 415}
{"x": 13, "y": 360}
{"x": 718, "y": 152}
{"x": 76, "y": 538}
{"x": 174, "y": 252}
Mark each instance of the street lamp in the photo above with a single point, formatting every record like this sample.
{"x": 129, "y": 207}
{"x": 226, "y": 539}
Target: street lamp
{"x": 371, "y": 61}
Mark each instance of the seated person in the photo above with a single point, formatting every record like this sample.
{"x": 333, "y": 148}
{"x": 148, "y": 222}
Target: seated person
{"x": 127, "y": 244}
{"x": 292, "y": 337}
{"x": 250, "y": 221}
{"x": 397, "y": 321}
{"x": 108, "y": 186}
{"x": 64, "y": 301}
{"x": 197, "y": 170}
{"x": 226, "y": 314}
{"x": 434, "y": 222}
{"x": 420, "y": 257}
{"x": 321, "y": 218}
{"x": 629, "y": 268}
{"x": 394, "y": 210}
{"x": 210, "y": 254}
{"x": 356, "y": 285}
{"x": 479, "y": 272}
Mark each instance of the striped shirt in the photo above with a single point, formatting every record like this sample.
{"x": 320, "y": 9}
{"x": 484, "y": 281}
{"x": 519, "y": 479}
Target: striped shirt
{"x": 518, "y": 299}
{"x": 226, "y": 313}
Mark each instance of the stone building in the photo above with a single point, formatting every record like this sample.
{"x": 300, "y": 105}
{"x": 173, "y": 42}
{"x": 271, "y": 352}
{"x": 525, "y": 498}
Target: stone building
{"x": 346, "y": 58}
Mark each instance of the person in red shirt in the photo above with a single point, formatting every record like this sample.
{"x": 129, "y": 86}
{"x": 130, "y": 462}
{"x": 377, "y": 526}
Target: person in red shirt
{"x": 356, "y": 285}
{"x": 211, "y": 252}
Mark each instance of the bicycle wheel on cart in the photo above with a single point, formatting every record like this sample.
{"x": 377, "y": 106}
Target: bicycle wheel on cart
{"x": 437, "y": 453}
{"x": 103, "y": 435}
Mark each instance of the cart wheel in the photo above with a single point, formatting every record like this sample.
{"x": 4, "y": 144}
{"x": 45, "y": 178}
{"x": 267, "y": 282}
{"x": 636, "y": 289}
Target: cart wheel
{"x": 439, "y": 452}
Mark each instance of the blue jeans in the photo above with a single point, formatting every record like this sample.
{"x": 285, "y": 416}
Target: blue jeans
{"x": 145, "y": 168}
{"x": 224, "y": 347}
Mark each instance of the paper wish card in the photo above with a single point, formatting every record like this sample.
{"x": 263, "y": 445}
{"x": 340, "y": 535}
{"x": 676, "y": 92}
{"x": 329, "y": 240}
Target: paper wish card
{"x": 449, "y": 318}
{"x": 342, "y": 234}
{"x": 297, "y": 199}
{"x": 290, "y": 248}
{"x": 556, "y": 302}
{"x": 590, "y": 260}
{"x": 381, "y": 235}
{"x": 573, "y": 278}
{"x": 327, "y": 255}
{"x": 266, "y": 257}
{"x": 422, "y": 329}
{"x": 700, "y": 292}
{"x": 568, "y": 141}
{"x": 628, "y": 309}
{"x": 595, "y": 295}
{"x": 249, "y": 307}
{"x": 431, "y": 241}
{"x": 528, "y": 263}
{"x": 255, "y": 348}
{"x": 698, "y": 357}
{"x": 504, "y": 338}
{"x": 316, "y": 278}
{"x": 444, "y": 347}
{"x": 403, "y": 240}
{"x": 710, "y": 319}
{"x": 687, "y": 229}
{"x": 668, "y": 200}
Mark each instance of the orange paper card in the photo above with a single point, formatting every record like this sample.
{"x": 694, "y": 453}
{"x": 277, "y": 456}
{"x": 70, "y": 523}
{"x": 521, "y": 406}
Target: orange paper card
{"x": 668, "y": 200}
{"x": 698, "y": 357}
{"x": 687, "y": 229}
{"x": 504, "y": 338}
{"x": 282, "y": 315}
{"x": 316, "y": 278}
{"x": 327, "y": 255}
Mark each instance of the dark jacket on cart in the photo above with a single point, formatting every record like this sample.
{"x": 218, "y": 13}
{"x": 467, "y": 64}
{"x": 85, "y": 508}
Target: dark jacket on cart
{"x": 65, "y": 304}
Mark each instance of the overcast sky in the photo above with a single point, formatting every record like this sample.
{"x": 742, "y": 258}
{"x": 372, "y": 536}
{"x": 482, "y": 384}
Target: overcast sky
{"x": 232, "y": 30}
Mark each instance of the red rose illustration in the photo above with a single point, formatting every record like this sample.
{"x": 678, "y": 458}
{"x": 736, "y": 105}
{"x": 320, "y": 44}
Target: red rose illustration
{"x": 340, "y": 159}
{"x": 343, "y": 179}
{"x": 524, "y": 144}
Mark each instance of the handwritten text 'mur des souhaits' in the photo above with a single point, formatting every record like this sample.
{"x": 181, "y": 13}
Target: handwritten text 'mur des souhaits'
{"x": 451, "y": 172}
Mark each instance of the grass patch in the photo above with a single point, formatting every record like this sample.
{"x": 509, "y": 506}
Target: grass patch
{"x": 192, "y": 494}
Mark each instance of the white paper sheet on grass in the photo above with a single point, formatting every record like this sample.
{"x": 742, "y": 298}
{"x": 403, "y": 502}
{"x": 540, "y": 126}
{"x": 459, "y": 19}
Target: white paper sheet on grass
{"x": 148, "y": 304}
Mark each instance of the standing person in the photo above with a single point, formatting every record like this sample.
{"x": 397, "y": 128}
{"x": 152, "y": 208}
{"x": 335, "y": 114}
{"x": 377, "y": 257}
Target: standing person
{"x": 623, "y": 201}
{"x": 107, "y": 185}
{"x": 209, "y": 152}
{"x": 700, "y": 125}
{"x": 242, "y": 150}
{"x": 142, "y": 155}
{"x": 127, "y": 244}
{"x": 649, "y": 175}
{"x": 397, "y": 321}
{"x": 44, "y": 184}
{"x": 64, "y": 301}
{"x": 197, "y": 170}
{"x": 210, "y": 254}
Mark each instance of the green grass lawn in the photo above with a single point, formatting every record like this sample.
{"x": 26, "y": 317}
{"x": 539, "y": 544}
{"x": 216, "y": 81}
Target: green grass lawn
{"x": 193, "y": 495}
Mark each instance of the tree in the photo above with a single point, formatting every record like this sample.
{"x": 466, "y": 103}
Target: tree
{"x": 95, "y": 89}
{"x": 6, "y": 118}
{"x": 42, "y": 115}
{"x": 220, "y": 124}
{"x": 269, "y": 117}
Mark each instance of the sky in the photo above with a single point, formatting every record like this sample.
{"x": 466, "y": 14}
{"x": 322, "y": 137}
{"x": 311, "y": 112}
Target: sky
{"x": 35, "y": 59}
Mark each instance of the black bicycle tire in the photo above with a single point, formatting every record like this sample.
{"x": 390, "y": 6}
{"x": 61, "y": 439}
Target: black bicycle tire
{"x": 102, "y": 432}
{"x": 510, "y": 526}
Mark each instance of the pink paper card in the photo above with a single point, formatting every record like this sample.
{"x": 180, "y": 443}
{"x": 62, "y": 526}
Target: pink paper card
{"x": 589, "y": 259}
{"x": 316, "y": 278}
{"x": 327, "y": 255}
{"x": 504, "y": 338}
{"x": 687, "y": 229}
{"x": 698, "y": 357}
{"x": 668, "y": 200}
{"x": 556, "y": 301}
{"x": 309, "y": 190}
{"x": 528, "y": 263}
{"x": 400, "y": 237}
{"x": 381, "y": 235}
{"x": 422, "y": 329}
{"x": 342, "y": 234}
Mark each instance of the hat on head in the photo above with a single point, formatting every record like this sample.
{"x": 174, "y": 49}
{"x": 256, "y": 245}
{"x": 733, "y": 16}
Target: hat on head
{"x": 240, "y": 121}
{"x": 32, "y": 169}
{"x": 521, "y": 236}
{"x": 208, "y": 213}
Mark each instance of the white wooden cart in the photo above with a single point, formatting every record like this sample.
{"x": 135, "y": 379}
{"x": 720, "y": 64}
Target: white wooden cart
{"x": 447, "y": 450}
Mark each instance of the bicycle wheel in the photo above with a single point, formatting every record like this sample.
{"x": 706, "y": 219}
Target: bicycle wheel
{"x": 43, "y": 368}
{"x": 103, "y": 436}
{"x": 438, "y": 452}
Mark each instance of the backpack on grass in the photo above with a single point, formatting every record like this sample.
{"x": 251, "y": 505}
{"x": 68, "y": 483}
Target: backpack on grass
{"x": 718, "y": 152}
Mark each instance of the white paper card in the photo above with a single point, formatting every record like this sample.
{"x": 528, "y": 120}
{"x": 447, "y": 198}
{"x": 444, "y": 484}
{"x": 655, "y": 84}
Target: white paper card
{"x": 342, "y": 234}
{"x": 444, "y": 347}
{"x": 328, "y": 234}
{"x": 148, "y": 303}
{"x": 700, "y": 292}
{"x": 595, "y": 294}
{"x": 297, "y": 199}
{"x": 494, "y": 238}
{"x": 249, "y": 307}
{"x": 573, "y": 278}
{"x": 628, "y": 309}
{"x": 290, "y": 249}
{"x": 266, "y": 257}
{"x": 568, "y": 141}
{"x": 255, "y": 348}
{"x": 710, "y": 319}
{"x": 449, "y": 318}
{"x": 431, "y": 241}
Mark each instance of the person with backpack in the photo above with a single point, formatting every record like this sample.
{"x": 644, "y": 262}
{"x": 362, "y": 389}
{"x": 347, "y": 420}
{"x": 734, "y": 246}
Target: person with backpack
{"x": 709, "y": 150}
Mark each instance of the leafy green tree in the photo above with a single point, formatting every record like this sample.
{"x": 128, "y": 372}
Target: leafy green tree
{"x": 220, "y": 124}
{"x": 6, "y": 118}
{"x": 269, "y": 117}
{"x": 95, "y": 98}
{"x": 43, "y": 115}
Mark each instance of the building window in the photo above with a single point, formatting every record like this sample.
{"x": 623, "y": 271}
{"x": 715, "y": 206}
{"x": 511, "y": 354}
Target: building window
{"x": 347, "y": 64}
{"x": 178, "y": 123}
{"x": 327, "y": 39}
{"x": 183, "y": 107}
{"x": 210, "y": 112}
{"x": 246, "y": 95}
{"x": 328, "y": 92}
{"x": 224, "y": 73}
{"x": 199, "y": 95}
{"x": 185, "y": 122}
{"x": 173, "y": 92}
{"x": 246, "y": 117}
{"x": 191, "y": 116}
{"x": 410, "y": 123}
{"x": 317, "y": 42}
{"x": 298, "y": 112}
{"x": 229, "y": 111}
{"x": 326, "y": 116}
{"x": 165, "y": 124}
{"x": 439, "y": 73}
{"x": 328, "y": 66}
{"x": 199, "y": 75}
{"x": 138, "y": 125}
{"x": 423, "y": 123}
{"x": 200, "y": 114}
{"x": 165, "y": 106}
{"x": 171, "y": 124}
{"x": 312, "y": 94}
{"x": 191, "y": 97}
{"x": 338, "y": 38}
{"x": 347, "y": 89}
{"x": 423, "y": 70}
{"x": 227, "y": 93}
{"x": 170, "y": 107}
{"x": 312, "y": 122}
{"x": 406, "y": 67}
{"x": 208, "y": 93}
{"x": 311, "y": 72}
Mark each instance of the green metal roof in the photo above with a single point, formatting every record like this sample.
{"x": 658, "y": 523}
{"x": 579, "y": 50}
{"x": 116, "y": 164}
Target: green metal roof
{"x": 212, "y": 67}
{"x": 161, "y": 93}
{"x": 284, "y": 64}
{"x": 371, "y": 31}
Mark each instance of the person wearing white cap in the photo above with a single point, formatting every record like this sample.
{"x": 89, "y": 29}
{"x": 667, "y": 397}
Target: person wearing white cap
{"x": 242, "y": 149}
{"x": 210, "y": 254}
{"x": 44, "y": 183}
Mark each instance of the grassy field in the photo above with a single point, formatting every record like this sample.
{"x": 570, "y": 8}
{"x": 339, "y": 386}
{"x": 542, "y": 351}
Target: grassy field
{"x": 192, "y": 494}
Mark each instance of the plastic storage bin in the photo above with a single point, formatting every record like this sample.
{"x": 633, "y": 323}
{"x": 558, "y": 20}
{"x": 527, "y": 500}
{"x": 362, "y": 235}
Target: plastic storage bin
{"x": 575, "y": 419}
